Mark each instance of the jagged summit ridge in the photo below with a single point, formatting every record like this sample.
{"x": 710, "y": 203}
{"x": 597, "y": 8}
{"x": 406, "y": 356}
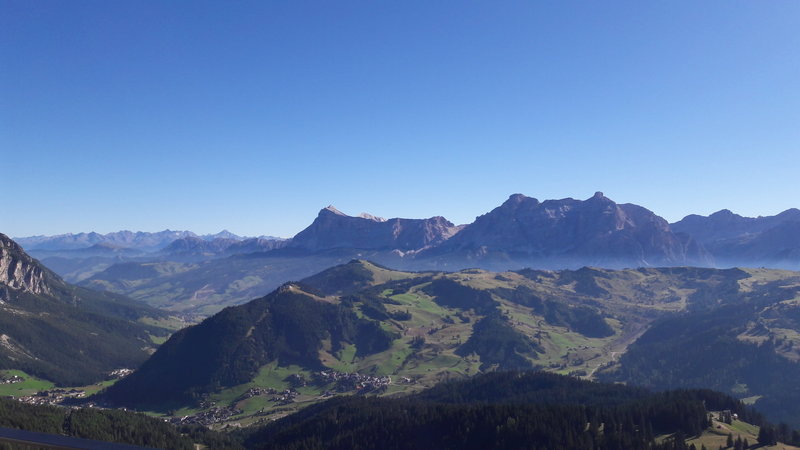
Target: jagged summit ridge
{"x": 332, "y": 209}
{"x": 596, "y": 231}
{"x": 334, "y": 229}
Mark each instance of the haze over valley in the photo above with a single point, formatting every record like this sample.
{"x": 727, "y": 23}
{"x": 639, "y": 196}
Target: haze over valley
{"x": 199, "y": 275}
{"x": 580, "y": 225}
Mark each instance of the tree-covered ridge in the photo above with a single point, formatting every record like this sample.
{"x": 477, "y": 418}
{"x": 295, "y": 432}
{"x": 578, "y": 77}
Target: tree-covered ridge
{"x": 503, "y": 410}
{"x": 495, "y": 410}
{"x": 108, "y": 425}
{"x": 288, "y": 326}
{"x": 740, "y": 347}
{"x": 499, "y": 345}
{"x": 585, "y": 320}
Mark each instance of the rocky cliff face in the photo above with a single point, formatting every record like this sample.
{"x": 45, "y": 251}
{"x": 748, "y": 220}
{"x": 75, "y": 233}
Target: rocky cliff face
{"x": 20, "y": 271}
{"x": 596, "y": 231}
{"x": 334, "y": 229}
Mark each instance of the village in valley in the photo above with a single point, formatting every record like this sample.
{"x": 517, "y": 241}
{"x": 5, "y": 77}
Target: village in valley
{"x": 301, "y": 390}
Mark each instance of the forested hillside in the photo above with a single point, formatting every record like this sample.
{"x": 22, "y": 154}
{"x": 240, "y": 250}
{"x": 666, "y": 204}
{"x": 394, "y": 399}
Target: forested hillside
{"x": 361, "y": 327}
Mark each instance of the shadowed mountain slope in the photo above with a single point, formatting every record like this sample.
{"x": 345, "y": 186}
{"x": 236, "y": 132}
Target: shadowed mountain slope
{"x": 65, "y": 333}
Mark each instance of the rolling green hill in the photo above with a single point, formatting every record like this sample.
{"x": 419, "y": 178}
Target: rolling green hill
{"x": 747, "y": 345}
{"x": 402, "y": 332}
{"x": 206, "y": 287}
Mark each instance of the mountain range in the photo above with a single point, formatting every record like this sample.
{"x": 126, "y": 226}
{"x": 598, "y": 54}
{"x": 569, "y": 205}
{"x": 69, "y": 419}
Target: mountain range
{"x": 571, "y": 233}
{"x": 203, "y": 274}
{"x": 772, "y": 241}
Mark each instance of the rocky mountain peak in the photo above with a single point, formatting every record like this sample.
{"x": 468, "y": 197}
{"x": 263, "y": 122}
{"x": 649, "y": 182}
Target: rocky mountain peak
{"x": 516, "y": 200}
{"x": 790, "y": 214}
{"x": 19, "y": 271}
{"x": 723, "y": 214}
{"x": 368, "y": 216}
{"x": 599, "y": 198}
{"x": 330, "y": 209}
{"x": 594, "y": 231}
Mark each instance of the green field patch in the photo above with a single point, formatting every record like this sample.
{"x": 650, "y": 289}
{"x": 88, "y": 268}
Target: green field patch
{"x": 272, "y": 376}
{"x": 187, "y": 411}
{"x": 381, "y": 275}
{"x": 744, "y": 427}
{"x": 96, "y": 387}
{"x": 269, "y": 376}
{"x": 422, "y": 307}
{"x": 247, "y": 282}
{"x": 561, "y": 341}
{"x": 751, "y": 400}
{"x": 157, "y": 340}
{"x": 347, "y": 357}
{"x": 386, "y": 362}
{"x": 717, "y": 435}
{"x": 439, "y": 362}
{"x": 479, "y": 279}
{"x": 170, "y": 323}
{"x": 29, "y": 386}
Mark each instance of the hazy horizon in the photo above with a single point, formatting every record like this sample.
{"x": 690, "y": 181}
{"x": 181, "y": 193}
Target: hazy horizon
{"x": 349, "y": 213}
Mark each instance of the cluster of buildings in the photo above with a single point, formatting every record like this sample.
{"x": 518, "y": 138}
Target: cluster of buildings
{"x": 12, "y": 379}
{"x": 285, "y": 397}
{"x": 120, "y": 373}
{"x": 254, "y": 391}
{"x": 354, "y": 381}
{"x": 207, "y": 418}
{"x": 281, "y": 397}
{"x": 51, "y": 397}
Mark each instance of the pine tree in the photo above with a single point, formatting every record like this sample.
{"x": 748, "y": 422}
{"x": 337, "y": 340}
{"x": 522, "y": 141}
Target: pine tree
{"x": 729, "y": 442}
{"x": 766, "y": 436}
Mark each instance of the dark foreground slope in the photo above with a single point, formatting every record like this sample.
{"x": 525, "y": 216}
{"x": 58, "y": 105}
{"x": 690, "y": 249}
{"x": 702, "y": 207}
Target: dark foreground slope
{"x": 503, "y": 410}
{"x": 64, "y": 333}
{"x": 288, "y": 326}
{"x": 105, "y": 425}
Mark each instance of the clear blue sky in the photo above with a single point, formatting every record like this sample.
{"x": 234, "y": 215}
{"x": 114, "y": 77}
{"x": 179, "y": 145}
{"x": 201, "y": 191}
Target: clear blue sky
{"x": 252, "y": 116}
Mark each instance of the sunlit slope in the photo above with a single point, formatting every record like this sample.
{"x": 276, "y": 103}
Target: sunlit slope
{"x": 423, "y": 327}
